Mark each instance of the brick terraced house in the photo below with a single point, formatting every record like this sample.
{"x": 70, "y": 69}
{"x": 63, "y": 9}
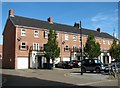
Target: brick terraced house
{"x": 24, "y": 39}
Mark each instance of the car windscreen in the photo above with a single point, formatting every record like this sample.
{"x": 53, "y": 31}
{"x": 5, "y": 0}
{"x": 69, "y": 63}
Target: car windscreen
{"x": 98, "y": 61}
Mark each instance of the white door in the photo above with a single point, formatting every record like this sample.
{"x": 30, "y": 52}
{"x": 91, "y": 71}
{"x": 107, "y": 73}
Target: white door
{"x": 22, "y": 63}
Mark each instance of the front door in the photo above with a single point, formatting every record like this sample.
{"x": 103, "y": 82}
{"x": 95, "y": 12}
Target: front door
{"x": 105, "y": 59}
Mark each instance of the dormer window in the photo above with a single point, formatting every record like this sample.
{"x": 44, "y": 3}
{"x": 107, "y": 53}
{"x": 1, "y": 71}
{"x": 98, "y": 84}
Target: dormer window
{"x": 36, "y": 34}
{"x": 23, "y": 32}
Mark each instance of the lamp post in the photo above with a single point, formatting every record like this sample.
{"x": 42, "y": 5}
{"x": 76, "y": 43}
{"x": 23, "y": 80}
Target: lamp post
{"x": 81, "y": 45}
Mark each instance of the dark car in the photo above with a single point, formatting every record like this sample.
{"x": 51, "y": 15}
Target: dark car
{"x": 116, "y": 64}
{"x": 64, "y": 64}
{"x": 92, "y": 65}
{"x": 75, "y": 63}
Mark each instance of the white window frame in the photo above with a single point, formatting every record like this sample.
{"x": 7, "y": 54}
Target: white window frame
{"x": 66, "y": 48}
{"x": 23, "y": 33}
{"x": 108, "y": 42}
{"x": 100, "y": 41}
{"x": 74, "y": 37}
{"x": 66, "y": 36}
{"x": 36, "y": 46}
{"x": 23, "y": 45}
{"x": 104, "y": 41}
{"x": 36, "y": 33}
{"x": 57, "y": 35}
{"x": 46, "y": 34}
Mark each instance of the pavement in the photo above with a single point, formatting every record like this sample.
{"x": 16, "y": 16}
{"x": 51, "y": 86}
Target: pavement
{"x": 55, "y": 77}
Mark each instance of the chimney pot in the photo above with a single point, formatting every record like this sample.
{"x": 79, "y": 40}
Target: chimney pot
{"x": 77, "y": 25}
{"x": 50, "y": 20}
{"x": 98, "y": 29}
{"x": 11, "y": 13}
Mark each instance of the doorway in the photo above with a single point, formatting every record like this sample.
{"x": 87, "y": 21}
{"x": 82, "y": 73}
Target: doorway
{"x": 105, "y": 59}
{"x": 38, "y": 62}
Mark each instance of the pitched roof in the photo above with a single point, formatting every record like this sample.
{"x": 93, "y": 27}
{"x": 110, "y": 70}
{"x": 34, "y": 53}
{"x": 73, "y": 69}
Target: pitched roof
{"x": 30, "y": 22}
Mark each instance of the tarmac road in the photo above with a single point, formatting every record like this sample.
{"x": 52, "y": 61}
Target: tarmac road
{"x": 56, "y": 77}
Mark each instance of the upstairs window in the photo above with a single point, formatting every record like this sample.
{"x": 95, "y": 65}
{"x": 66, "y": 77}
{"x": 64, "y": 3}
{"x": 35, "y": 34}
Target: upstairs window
{"x": 74, "y": 37}
{"x": 23, "y": 32}
{"x": 66, "y": 36}
{"x": 45, "y": 34}
{"x": 36, "y": 34}
{"x": 36, "y": 46}
{"x": 108, "y": 42}
{"x": 104, "y": 41}
{"x": 57, "y": 35}
{"x": 100, "y": 41}
{"x": 66, "y": 48}
{"x": 23, "y": 46}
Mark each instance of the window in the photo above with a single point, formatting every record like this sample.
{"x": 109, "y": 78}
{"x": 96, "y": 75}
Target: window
{"x": 57, "y": 35}
{"x": 104, "y": 42}
{"x": 100, "y": 41}
{"x": 74, "y": 37}
{"x": 66, "y": 48}
{"x": 66, "y": 36}
{"x": 108, "y": 42}
{"x": 75, "y": 48}
{"x": 36, "y": 34}
{"x": 23, "y": 46}
{"x": 36, "y": 46}
{"x": 45, "y": 34}
{"x": 23, "y": 32}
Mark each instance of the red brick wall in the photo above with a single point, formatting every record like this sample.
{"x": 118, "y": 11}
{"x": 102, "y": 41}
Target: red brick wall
{"x": 30, "y": 39}
{"x": 9, "y": 46}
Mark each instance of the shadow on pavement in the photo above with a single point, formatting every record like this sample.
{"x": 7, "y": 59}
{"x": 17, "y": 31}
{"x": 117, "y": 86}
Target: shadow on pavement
{"x": 19, "y": 81}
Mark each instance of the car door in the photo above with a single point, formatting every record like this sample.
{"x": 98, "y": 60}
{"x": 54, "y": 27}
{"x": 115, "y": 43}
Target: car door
{"x": 91, "y": 64}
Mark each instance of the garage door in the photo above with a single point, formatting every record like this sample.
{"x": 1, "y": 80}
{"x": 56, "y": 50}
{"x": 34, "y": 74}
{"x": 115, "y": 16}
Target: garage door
{"x": 22, "y": 63}
{"x": 66, "y": 59}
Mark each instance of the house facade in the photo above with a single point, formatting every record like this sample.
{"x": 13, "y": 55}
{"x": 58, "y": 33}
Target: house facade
{"x": 24, "y": 39}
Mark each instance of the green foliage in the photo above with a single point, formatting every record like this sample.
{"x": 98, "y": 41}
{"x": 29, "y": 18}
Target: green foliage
{"x": 92, "y": 48}
{"x": 51, "y": 48}
{"x": 115, "y": 50}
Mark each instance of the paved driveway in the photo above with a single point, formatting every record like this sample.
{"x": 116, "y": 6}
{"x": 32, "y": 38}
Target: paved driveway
{"x": 56, "y": 77}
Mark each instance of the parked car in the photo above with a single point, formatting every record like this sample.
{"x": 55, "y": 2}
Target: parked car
{"x": 116, "y": 64}
{"x": 64, "y": 64}
{"x": 76, "y": 63}
{"x": 92, "y": 65}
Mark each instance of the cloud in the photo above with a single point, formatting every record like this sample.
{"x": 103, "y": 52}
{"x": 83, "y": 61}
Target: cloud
{"x": 99, "y": 17}
{"x": 105, "y": 21}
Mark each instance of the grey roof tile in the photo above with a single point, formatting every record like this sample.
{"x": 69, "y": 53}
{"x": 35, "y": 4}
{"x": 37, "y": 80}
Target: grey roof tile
{"x": 30, "y": 22}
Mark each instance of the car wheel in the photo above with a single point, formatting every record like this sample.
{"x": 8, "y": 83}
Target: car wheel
{"x": 98, "y": 70}
{"x": 83, "y": 70}
{"x": 64, "y": 67}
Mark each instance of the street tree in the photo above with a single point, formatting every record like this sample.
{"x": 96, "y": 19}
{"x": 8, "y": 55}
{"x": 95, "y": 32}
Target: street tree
{"x": 52, "y": 50}
{"x": 115, "y": 50}
{"x": 92, "y": 48}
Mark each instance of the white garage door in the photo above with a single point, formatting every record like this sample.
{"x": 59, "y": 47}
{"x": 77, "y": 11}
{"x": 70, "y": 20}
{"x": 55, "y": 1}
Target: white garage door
{"x": 22, "y": 63}
{"x": 66, "y": 59}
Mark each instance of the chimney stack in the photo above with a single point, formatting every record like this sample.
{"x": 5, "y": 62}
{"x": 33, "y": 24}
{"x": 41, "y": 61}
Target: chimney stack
{"x": 11, "y": 13}
{"x": 77, "y": 25}
{"x": 50, "y": 20}
{"x": 98, "y": 29}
